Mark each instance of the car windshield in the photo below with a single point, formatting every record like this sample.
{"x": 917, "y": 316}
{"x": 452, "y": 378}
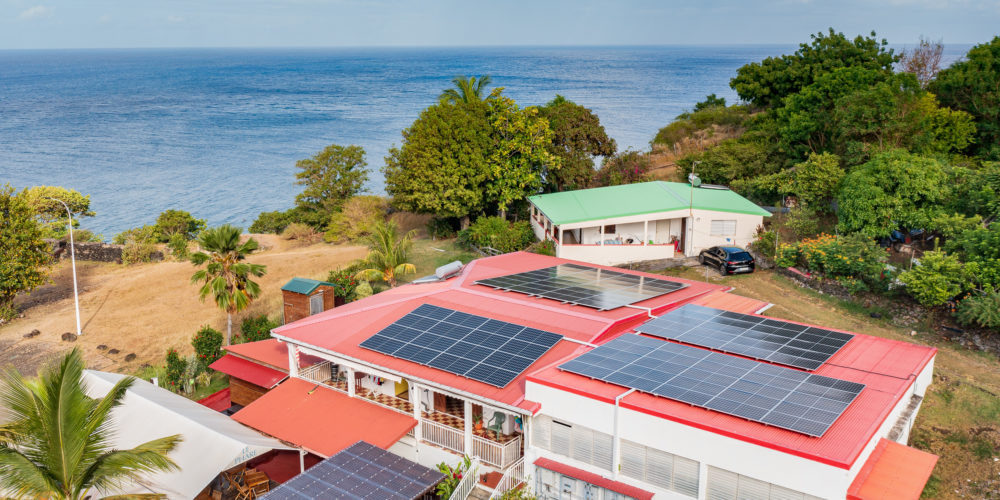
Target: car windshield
{"x": 739, "y": 256}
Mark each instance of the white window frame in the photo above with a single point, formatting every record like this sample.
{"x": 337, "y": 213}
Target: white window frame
{"x": 723, "y": 227}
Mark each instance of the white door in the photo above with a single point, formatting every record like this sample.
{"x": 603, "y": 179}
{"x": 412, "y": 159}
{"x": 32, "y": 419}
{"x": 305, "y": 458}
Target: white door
{"x": 316, "y": 304}
{"x": 662, "y": 231}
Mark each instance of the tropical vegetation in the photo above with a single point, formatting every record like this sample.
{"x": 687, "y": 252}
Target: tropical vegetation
{"x": 23, "y": 251}
{"x": 387, "y": 258}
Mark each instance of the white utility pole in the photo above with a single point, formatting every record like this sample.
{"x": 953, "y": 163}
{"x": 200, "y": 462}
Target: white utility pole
{"x": 72, "y": 259}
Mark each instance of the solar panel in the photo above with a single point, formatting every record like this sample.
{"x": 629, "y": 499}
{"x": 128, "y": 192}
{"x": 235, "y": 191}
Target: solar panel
{"x": 773, "y": 395}
{"x": 600, "y": 289}
{"x": 755, "y": 337}
{"x": 483, "y": 349}
{"x": 362, "y": 471}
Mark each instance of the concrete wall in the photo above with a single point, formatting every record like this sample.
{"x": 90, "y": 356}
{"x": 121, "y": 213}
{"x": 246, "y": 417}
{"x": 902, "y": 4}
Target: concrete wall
{"x": 700, "y": 231}
{"x": 610, "y": 255}
{"x": 94, "y": 251}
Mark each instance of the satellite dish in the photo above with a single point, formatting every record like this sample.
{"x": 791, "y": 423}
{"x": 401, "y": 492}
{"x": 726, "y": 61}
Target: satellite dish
{"x": 694, "y": 180}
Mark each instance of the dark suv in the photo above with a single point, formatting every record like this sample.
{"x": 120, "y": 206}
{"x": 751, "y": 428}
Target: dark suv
{"x": 728, "y": 260}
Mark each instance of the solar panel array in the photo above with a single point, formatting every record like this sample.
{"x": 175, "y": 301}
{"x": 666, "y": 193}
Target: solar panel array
{"x": 773, "y": 395}
{"x": 755, "y": 337}
{"x": 584, "y": 286}
{"x": 483, "y": 349}
{"x": 362, "y": 471}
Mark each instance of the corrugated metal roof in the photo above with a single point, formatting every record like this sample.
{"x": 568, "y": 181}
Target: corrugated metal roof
{"x": 893, "y": 472}
{"x": 249, "y": 371}
{"x": 305, "y": 286}
{"x": 635, "y": 199}
{"x": 269, "y": 352}
{"x": 597, "y": 480}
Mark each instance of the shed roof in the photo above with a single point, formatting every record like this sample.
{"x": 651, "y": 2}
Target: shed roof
{"x": 305, "y": 286}
{"x": 610, "y": 202}
{"x": 893, "y": 472}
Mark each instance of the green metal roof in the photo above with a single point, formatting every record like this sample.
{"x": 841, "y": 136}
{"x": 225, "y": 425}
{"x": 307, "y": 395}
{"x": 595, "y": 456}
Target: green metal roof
{"x": 610, "y": 202}
{"x": 305, "y": 286}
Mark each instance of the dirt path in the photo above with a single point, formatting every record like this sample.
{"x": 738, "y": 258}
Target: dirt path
{"x": 145, "y": 309}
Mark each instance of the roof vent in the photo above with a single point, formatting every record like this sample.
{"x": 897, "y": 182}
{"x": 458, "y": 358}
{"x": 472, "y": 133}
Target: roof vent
{"x": 714, "y": 186}
{"x": 448, "y": 270}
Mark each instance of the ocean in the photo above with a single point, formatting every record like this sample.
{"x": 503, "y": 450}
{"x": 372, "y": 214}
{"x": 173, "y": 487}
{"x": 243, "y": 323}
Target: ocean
{"x": 217, "y": 132}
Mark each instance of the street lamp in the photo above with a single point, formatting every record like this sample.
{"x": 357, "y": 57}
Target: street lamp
{"x": 72, "y": 259}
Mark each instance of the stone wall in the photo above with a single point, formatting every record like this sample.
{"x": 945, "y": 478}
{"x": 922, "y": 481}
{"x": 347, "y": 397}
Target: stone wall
{"x": 94, "y": 251}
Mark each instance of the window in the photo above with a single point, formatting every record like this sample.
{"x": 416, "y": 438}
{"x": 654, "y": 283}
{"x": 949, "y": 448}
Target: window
{"x": 666, "y": 470}
{"x": 316, "y": 303}
{"x": 723, "y": 228}
{"x": 609, "y": 229}
{"x": 575, "y": 441}
{"x": 726, "y": 485}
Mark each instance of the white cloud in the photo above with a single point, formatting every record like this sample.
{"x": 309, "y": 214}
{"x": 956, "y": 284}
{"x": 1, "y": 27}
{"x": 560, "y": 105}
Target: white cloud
{"x": 36, "y": 12}
{"x": 174, "y": 19}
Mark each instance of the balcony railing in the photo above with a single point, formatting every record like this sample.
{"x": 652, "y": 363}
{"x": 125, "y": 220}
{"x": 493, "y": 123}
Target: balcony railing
{"x": 497, "y": 454}
{"x": 442, "y": 435}
{"x": 320, "y": 372}
{"x": 511, "y": 479}
{"x": 468, "y": 482}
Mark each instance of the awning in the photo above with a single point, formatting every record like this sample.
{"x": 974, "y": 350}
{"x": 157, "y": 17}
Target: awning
{"x": 323, "y": 420}
{"x": 893, "y": 472}
{"x": 594, "y": 479}
{"x": 248, "y": 370}
{"x": 212, "y": 442}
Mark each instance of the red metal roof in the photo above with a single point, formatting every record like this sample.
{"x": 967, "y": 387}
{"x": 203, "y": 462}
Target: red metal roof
{"x": 596, "y": 480}
{"x": 731, "y": 302}
{"x": 893, "y": 472}
{"x": 887, "y": 368}
{"x": 322, "y": 420}
{"x": 342, "y": 329}
{"x": 219, "y": 401}
{"x": 254, "y": 373}
{"x": 270, "y": 352}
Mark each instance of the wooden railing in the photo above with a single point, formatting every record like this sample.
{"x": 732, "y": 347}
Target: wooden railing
{"x": 444, "y": 436}
{"x": 512, "y": 477}
{"x": 468, "y": 481}
{"x": 497, "y": 454}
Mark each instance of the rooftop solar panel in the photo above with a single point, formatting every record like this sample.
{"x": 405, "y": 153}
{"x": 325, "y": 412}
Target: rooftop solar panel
{"x": 593, "y": 287}
{"x": 751, "y": 336}
{"x": 362, "y": 471}
{"x": 773, "y": 395}
{"x": 483, "y": 349}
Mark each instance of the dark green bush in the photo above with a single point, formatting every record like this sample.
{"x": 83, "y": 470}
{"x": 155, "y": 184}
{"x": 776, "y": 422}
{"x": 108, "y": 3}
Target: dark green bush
{"x": 207, "y": 345}
{"x": 276, "y": 222}
{"x": 498, "y": 233}
{"x": 178, "y": 246}
{"x": 175, "y": 370}
{"x": 623, "y": 168}
{"x": 981, "y": 309}
{"x": 256, "y": 328}
{"x": 938, "y": 279}
{"x": 439, "y": 227}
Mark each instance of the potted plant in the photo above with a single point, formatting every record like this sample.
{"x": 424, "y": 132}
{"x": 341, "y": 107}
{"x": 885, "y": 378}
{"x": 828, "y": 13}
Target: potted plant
{"x": 477, "y": 420}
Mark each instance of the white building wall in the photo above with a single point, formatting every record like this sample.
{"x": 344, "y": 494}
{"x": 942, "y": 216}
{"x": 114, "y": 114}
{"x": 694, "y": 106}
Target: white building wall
{"x": 700, "y": 231}
{"x": 611, "y": 255}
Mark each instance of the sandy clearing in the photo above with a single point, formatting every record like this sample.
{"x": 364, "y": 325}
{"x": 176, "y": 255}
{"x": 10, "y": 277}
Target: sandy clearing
{"x": 148, "y": 308}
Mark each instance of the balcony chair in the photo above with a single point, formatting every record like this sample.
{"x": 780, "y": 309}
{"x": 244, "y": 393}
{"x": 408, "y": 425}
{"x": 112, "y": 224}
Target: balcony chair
{"x": 499, "y": 418}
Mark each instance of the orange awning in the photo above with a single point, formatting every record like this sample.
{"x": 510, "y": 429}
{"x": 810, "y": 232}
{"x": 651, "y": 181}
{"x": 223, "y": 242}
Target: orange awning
{"x": 323, "y": 420}
{"x": 893, "y": 472}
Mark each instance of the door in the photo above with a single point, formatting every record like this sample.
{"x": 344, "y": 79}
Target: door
{"x": 684, "y": 235}
{"x": 316, "y": 304}
{"x": 440, "y": 402}
{"x": 662, "y": 231}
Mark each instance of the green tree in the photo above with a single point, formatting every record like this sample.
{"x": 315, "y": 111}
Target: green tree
{"x": 57, "y": 439}
{"x": 226, "y": 276}
{"x": 814, "y": 182}
{"x": 768, "y": 82}
{"x": 938, "y": 278}
{"x": 711, "y": 101}
{"x": 730, "y": 160}
{"x": 894, "y": 189}
{"x": 330, "y": 178}
{"x": 24, "y": 254}
{"x": 441, "y": 166}
{"x": 627, "y": 167}
{"x": 467, "y": 90}
{"x": 577, "y": 137}
{"x": 973, "y": 85}
{"x": 519, "y": 156}
{"x": 387, "y": 258}
{"x": 51, "y": 213}
{"x": 359, "y": 215}
{"x": 177, "y": 222}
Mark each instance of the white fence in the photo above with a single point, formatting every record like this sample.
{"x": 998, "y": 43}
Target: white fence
{"x": 468, "y": 481}
{"x": 320, "y": 372}
{"x": 497, "y": 454}
{"x": 443, "y": 436}
{"x": 511, "y": 478}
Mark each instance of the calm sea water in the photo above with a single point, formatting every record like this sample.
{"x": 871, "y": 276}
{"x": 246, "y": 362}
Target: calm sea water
{"x": 217, "y": 132}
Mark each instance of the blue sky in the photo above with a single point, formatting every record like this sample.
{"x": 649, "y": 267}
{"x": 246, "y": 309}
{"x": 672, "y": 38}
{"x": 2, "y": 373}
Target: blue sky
{"x": 28, "y": 24}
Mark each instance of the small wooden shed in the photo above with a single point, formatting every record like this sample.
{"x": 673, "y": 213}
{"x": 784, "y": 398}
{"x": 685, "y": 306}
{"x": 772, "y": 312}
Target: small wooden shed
{"x": 304, "y": 297}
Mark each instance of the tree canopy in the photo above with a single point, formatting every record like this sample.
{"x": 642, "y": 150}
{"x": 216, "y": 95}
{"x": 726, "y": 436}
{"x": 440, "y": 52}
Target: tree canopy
{"x": 577, "y": 137}
{"x": 51, "y": 213}
{"x": 23, "y": 252}
{"x": 330, "y": 178}
{"x": 467, "y": 90}
{"x": 973, "y": 85}
{"x": 519, "y": 155}
{"x": 768, "y": 82}
{"x": 177, "y": 222}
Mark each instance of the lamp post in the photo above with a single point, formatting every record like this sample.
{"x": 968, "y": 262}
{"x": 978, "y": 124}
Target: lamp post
{"x": 72, "y": 259}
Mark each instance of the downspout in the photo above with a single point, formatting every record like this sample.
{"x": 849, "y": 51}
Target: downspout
{"x": 616, "y": 455}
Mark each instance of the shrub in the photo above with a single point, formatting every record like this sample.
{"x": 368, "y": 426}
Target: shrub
{"x": 192, "y": 367}
{"x": 364, "y": 289}
{"x": 175, "y": 370}
{"x": 136, "y": 252}
{"x": 802, "y": 222}
{"x": 452, "y": 476}
{"x": 346, "y": 283}
{"x": 496, "y": 232}
{"x": 982, "y": 309}
{"x": 256, "y": 328}
{"x": 786, "y": 255}
{"x": 440, "y": 228}
{"x": 937, "y": 279}
{"x": 356, "y": 219}
{"x": 275, "y": 222}
{"x": 546, "y": 247}
{"x": 144, "y": 234}
{"x": 713, "y": 113}
{"x": 851, "y": 284}
{"x": 178, "y": 246}
{"x": 623, "y": 168}
{"x": 765, "y": 242}
{"x": 852, "y": 256}
{"x": 177, "y": 222}
{"x": 300, "y": 232}
{"x": 207, "y": 345}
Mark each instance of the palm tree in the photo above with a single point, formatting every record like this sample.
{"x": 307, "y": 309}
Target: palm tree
{"x": 467, "y": 90}
{"x": 387, "y": 254}
{"x": 56, "y": 442}
{"x": 226, "y": 277}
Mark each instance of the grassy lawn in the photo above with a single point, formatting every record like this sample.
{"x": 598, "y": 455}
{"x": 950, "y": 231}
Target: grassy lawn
{"x": 960, "y": 417}
{"x": 428, "y": 255}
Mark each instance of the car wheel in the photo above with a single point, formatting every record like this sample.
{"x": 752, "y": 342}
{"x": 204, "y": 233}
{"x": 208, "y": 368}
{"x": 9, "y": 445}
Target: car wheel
{"x": 722, "y": 269}
{"x": 701, "y": 259}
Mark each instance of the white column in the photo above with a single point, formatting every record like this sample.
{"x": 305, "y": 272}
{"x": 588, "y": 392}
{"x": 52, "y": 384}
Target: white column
{"x": 350, "y": 382}
{"x": 415, "y": 400}
{"x": 702, "y": 481}
{"x": 645, "y": 232}
{"x": 293, "y": 360}
{"x": 302, "y": 461}
{"x": 468, "y": 427}
{"x": 600, "y": 233}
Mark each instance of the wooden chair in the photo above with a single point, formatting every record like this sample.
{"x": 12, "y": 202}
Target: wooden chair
{"x": 244, "y": 492}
